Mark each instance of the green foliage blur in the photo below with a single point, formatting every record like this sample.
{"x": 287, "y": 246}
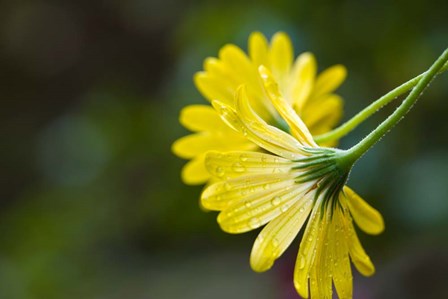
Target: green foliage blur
{"x": 92, "y": 205}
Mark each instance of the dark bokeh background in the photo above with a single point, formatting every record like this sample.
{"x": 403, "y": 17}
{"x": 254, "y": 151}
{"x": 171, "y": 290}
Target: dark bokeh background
{"x": 92, "y": 205}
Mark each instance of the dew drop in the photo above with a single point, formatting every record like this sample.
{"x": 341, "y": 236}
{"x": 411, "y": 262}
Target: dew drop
{"x": 301, "y": 210}
{"x": 275, "y": 242}
{"x": 284, "y": 208}
{"x": 243, "y": 157}
{"x": 254, "y": 222}
{"x": 266, "y": 186}
{"x": 224, "y": 110}
{"x": 301, "y": 261}
{"x": 219, "y": 171}
{"x": 276, "y": 201}
{"x": 238, "y": 167}
{"x": 247, "y": 204}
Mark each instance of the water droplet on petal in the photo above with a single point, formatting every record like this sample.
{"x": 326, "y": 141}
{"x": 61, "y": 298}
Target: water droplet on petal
{"x": 254, "y": 222}
{"x": 263, "y": 161}
{"x": 247, "y": 204}
{"x": 276, "y": 201}
{"x": 238, "y": 167}
{"x": 275, "y": 242}
{"x": 284, "y": 208}
{"x": 301, "y": 210}
{"x": 219, "y": 171}
{"x": 243, "y": 157}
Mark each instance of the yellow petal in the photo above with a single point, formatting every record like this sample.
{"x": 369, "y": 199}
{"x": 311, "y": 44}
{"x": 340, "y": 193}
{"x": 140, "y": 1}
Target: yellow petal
{"x": 329, "y": 80}
{"x": 195, "y": 144}
{"x": 194, "y": 172}
{"x": 276, "y": 237}
{"x": 281, "y": 57}
{"x": 235, "y": 59}
{"x": 261, "y": 136}
{"x": 201, "y": 118}
{"x": 305, "y": 257}
{"x": 222, "y": 194}
{"x": 323, "y": 114}
{"x": 237, "y": 163}
{"x": 266, "y": 134}
{"x": 321, "y": 270}
{"x": 365, "y": 216}
{"x": 212, "y": 88}
{"x": 342, "y": 273}
{"x": 225, "y": 75}
{"x": 260, "y": 208}
{"x": 295, "y": 123}
{"x": 258, "y": 48}
{"x": 359, "y": 256}
{"x": 231, "y": 71}
{"x": 301, "y": 80}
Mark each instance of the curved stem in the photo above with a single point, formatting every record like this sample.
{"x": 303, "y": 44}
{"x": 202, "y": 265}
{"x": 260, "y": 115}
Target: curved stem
{"x": 365, "y": 144}
{"x": 351, "y": 124}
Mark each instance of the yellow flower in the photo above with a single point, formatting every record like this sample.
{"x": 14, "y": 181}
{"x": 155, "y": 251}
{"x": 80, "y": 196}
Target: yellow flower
{"x": 311, "y": 96}
{"x": 294, "y": 180}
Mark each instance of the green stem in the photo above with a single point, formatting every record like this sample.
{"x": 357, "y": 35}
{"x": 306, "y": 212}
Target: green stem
{"x": 365, "y": 144}
{"x": 351, "y": 124}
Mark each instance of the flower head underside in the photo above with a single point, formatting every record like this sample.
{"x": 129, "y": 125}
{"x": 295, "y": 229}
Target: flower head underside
{"x": 289, "y": 181}
{"x": 310, "y": 95}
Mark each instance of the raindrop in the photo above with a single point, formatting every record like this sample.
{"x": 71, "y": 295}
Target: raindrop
{"x": 243, "y": 157}
{"x": 238, "y": 167}
{"x": 276, "y": 201}
{"x": 301, "y": 261}
{"x": 263, "y": 160}
{"x": 284, "y": 208}
{"x": 219, "y": 171}
{"x": 254, "y": 222}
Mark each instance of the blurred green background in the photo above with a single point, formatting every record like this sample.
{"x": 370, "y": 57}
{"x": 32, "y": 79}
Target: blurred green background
{"x": 92, "y": 205}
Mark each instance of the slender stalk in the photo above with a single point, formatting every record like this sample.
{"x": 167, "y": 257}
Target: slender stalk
{"x": 365, "y": 144}
{"x": 351, "y": 124}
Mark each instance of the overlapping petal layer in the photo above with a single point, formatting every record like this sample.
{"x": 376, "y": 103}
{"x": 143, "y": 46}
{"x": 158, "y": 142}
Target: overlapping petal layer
{"x": 309, "y": 94}
{"x": 272, "y": 189}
